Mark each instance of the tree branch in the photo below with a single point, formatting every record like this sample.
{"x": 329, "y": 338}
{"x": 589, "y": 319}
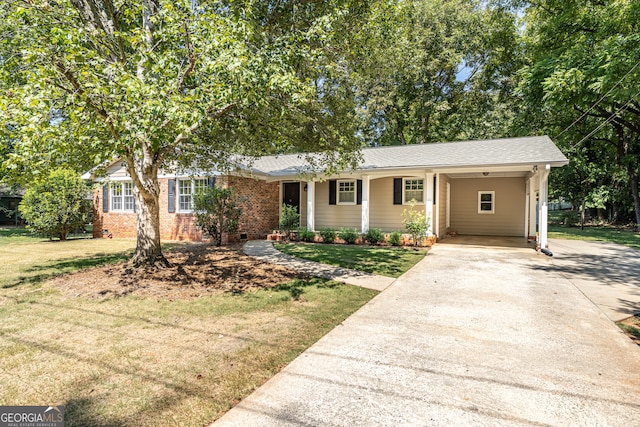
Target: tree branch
{"x": 183, "y": 136}
{"x": 192, "y": 59}
{"x": 71, "y": 78}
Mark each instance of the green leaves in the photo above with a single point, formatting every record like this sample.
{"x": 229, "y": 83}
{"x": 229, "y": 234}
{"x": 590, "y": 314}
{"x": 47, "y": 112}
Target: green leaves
{"x": 581, "y": 80}
{"x": 57, "y": 204}
{"x": 431, "y": 71}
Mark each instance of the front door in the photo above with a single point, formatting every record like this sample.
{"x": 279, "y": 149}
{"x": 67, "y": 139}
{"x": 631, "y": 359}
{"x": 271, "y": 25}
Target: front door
{"x": 291, "y": 194}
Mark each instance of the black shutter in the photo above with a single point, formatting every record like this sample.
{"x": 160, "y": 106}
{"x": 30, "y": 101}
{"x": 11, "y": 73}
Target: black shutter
{"x": 397, "y": 191}
{"x": 332, "y": 192}
{"x": 211, "y": 182}
{"x": 435, "y": 189}
{"x": 105, "y": 198}
{"x": 171, "y": 195}
{"x": 359, "y": 191}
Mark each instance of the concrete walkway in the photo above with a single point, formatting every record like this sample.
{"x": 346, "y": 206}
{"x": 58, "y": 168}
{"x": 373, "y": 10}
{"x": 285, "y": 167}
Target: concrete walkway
{"x": 469, "y": 336}
{"x": 606, "y": 273}
{"x": 264, "y": 251}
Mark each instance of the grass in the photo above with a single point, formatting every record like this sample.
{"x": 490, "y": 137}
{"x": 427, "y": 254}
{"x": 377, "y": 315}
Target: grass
{"x": 384, "y": 261}
{"x": 21, "y": 235}
{"x": 632, "y": 331}
{"x": 597, "y": 233}
{"x": 134, "y": 361}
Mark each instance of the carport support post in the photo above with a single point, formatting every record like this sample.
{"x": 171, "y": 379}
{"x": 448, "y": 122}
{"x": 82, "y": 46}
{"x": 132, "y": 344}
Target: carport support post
{"x": 311, "y": 187}
{"x": 428, "y": 203}
{"x": 532, "y": 212}
{"x": 527, "y": 217}
{"x": 365, "y": 203}
{"x": 544, "y": 206}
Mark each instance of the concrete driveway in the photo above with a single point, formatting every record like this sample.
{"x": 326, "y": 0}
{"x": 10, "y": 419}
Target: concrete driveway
{"x": 469, "y": 336}
{"x": 607, "y": 273}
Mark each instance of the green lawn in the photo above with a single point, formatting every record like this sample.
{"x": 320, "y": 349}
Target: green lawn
{"x": 597, "y": 233}
{"x": 146, "y": 361}
{"x": 385, "y": 261}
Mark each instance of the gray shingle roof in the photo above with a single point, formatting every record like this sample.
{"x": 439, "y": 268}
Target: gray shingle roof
{"x": 492, "y": 152}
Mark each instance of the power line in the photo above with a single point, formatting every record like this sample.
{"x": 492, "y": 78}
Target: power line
{"x": 609, "y": 120}
{"x": 599, "y": 100}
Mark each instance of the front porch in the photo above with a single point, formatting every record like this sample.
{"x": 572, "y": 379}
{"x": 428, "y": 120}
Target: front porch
{"x": 514, "y": 202}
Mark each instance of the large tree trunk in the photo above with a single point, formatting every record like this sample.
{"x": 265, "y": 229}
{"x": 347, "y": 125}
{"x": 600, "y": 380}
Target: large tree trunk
{"x": 148, "y": 247}
{"x": 144, "y": 173}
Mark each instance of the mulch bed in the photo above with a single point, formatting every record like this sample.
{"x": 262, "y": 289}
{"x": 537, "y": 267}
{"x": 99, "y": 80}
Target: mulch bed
{"x": 196, "y": 270}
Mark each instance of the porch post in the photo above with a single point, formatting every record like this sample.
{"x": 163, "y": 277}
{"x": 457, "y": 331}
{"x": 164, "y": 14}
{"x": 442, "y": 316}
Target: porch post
{"x": 532, "y": 212}
{"x": 437, "y": 199}
{"x": 544, "y": 206}
{"x": 311, "y": 190}
{"x": 365, "y": 203}
{"x": 428, "y": 203}
{"x": 527, "y": 199}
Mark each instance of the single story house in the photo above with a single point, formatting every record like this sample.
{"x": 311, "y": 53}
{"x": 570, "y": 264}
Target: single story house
{"x": 493, "y": 187}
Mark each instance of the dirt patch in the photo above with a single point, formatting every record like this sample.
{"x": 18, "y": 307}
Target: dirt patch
{"x": 197, "y": 270}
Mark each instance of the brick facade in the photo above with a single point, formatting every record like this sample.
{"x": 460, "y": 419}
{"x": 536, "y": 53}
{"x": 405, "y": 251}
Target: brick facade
{"x": 258, "y": 200}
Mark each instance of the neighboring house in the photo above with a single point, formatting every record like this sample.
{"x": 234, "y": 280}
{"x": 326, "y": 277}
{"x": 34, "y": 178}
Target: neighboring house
{"x": 491, "y": 187}
{"x": 9, "y": 201}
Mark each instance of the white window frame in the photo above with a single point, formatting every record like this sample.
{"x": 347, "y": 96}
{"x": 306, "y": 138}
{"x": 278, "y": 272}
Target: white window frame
{"x": 340, "y": 191}
{"x": 125, "y": 190}
{"x": 404, "y": 191}
{"x": 195, "y": 184}
{"x": 493, "y": 202}
{"x": 128, "y": 200}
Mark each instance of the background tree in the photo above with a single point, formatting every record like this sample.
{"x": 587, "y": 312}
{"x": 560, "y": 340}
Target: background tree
{"x": 165, "y": 83}
{"x": 581, "y": 87}
{"x": 57, "y": 205}
{"x": 429, "y": 71}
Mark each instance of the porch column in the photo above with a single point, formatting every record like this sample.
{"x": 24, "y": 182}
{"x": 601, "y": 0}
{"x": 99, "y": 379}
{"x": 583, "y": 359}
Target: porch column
{"x": 527, "y": 200}
{"x": 311, "y": 190}
{"x": 532, "y": 212}
{"x": 437, "y": 199}
{"x": 543, "y": 207}
{"x": 365, "y": 203}
{"x": 428, "y": 203}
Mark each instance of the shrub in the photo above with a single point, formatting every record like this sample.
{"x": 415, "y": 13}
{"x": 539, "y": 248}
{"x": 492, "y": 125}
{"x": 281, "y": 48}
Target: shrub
{"x": 349, "y": 235}
{"x": 57, "y": 204}
{"x": 415, "y": 222}
{"x": 217, "y": 212}
{"x": 328, "y": 235}
{"x": 306, "y": 235}
{"x": 374, "y": 236}
{"x": 395, "y": 238}
{"x": 289, "y": 219}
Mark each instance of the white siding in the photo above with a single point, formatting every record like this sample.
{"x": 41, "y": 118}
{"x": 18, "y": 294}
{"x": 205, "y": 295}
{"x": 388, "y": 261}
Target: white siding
{"x": 117, "y": 171}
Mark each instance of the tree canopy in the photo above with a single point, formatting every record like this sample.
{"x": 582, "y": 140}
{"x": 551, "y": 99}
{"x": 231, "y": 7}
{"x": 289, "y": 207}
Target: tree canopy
{"x": 581, "y": 85}
{"x": 167, "y": 84}
{"x": 431, "y": 71}
{"x": 163, "y": 82}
